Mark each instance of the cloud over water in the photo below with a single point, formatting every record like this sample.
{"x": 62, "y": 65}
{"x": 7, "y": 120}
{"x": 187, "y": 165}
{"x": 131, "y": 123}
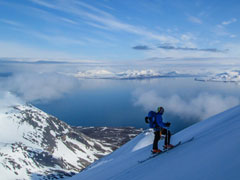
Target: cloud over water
{"x": 200, "y": 106}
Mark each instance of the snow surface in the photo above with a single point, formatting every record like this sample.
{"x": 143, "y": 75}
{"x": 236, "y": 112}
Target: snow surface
{"x": 213, "y": 154}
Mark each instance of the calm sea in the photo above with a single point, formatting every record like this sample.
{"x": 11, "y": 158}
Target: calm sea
{"x": 118, "y": 103}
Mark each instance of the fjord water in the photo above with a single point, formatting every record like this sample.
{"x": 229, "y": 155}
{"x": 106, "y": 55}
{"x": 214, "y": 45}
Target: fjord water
{"x": 105, "y": 102}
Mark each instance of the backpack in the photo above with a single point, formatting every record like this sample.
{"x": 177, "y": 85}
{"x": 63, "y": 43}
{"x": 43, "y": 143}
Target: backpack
{"x": 151, "y": 119}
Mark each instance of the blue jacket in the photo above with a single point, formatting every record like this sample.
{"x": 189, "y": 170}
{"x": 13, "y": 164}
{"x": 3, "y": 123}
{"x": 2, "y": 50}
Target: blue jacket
{"x": 157, "y": 117}
{"x": 159, "y": 121}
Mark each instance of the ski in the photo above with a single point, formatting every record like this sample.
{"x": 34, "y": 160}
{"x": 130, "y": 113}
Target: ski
{"x": 166, "y": 150}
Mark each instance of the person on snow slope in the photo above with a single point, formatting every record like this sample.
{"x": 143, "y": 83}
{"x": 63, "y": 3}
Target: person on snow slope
{"x": 155, "y": 121}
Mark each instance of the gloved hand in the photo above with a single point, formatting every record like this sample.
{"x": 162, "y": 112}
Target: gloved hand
{"x": 168, "y": 124}
{"x": 146, "y": 119}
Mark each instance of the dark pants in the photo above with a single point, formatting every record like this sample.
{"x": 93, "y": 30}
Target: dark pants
{"x": 157, "y": 137}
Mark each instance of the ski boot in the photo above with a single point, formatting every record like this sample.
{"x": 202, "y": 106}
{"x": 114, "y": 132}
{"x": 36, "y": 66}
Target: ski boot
{"x": 168, "y": 146}
{"x": 154, "y": 151}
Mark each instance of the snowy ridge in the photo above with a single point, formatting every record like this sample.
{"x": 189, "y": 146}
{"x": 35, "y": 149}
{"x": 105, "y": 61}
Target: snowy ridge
{"x": 129, "y": 74}
{"x": 213, "y": 154}
{"x": 35, "y": 144}
{"x": 230, "y": 76}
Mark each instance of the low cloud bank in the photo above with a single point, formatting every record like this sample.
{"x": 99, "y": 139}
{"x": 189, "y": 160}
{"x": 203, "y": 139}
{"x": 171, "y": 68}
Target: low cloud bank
{"x": 39, "y": 86}
{"x": 8, "y": 99}
{"x": 200, "y": 107}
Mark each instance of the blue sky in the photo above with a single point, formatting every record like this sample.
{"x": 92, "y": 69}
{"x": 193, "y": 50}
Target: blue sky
{"x": 117, "y": 30}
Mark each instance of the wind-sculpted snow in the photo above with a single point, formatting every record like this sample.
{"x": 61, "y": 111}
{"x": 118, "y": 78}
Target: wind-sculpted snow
{"x": 230, "y": 76}
{"x": 213, "y": 154}
{"x": 129, "y": 74}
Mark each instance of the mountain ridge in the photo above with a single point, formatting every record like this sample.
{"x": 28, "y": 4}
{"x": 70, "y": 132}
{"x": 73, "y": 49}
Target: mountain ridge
{"x": 36, "y": 145}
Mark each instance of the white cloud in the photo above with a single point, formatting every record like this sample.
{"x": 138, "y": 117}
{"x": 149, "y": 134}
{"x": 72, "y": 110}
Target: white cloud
{"x": 92, "y": 8}
{"x": 40, "y": 87}
{"x": 43, "y": 3}
{"x": 79, "y": 13}
{"x": 234, "y": 49}
{"x": 187, "y": 37}
{"x": 201, "y": 106}
{"x": 68, "y": 20}
{"x": 8, "y": 99}
{"x": 105, "y": 20}
{"x": 233, "y": 36}
{"x": 47, "y": 16}
{"x": 221, "y": 30}
{"x": 10, "y": 22}
{"x": 58, "y": 40}
{"x": 233, "y": 20}
{"x": 194, "y": 20}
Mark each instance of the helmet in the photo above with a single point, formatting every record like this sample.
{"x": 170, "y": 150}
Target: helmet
{"x": 160, "y": 110}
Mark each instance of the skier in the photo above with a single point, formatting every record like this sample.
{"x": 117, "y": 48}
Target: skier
{"x": 159, "y": 128}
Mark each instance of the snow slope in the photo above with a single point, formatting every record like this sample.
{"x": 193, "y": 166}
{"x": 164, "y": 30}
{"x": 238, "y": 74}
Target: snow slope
{"x": 213, "y": 154}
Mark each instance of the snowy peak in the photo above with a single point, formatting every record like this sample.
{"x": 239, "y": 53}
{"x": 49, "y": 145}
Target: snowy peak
{"x": 33, "y": 142}
{"x": 129, "y": 74}
{"x": 230, "y": 76}
{"x": 213, "y": 154}
{"x": 36, "y": 145}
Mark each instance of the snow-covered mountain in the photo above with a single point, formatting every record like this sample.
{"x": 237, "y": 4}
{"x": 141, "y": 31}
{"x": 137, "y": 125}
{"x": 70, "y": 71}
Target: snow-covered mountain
{"x": 230, "y": 76}
{"x": 129, "y": 74}
{"x": 35, "y": 145}
{"x": 213, "y": 154}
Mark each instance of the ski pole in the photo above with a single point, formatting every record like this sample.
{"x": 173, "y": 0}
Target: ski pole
{"x": 167, "y": 129}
